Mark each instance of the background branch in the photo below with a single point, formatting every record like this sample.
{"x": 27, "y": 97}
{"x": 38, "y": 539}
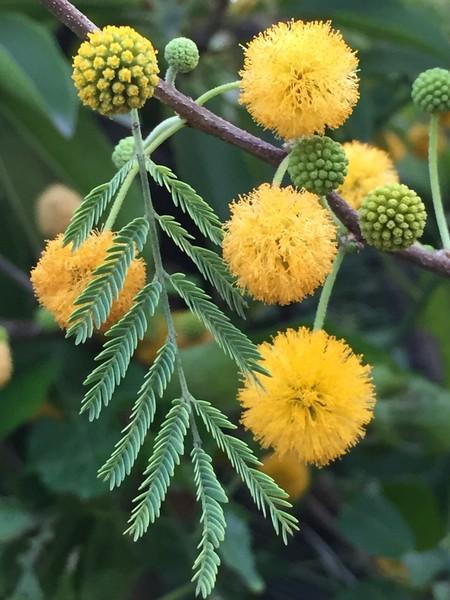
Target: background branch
{"x": 206, "y": 121}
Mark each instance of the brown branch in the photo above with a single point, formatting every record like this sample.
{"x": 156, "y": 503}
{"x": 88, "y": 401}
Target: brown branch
{"x": 203, "y": 119}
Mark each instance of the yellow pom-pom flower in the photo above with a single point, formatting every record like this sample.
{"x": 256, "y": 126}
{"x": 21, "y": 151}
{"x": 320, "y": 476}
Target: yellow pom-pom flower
{"x": 317, "y": 401}
{"x": 6, "y": 363}
{"x": 368, "y": 168}
{"x": 61, "y": 275}
{"x": 54, "y": 209}
{"x": 279, "y": 243}
{"x": 291, "y": 475}
{"x": 115, "y": 70}
{"x": 299, "y": 78}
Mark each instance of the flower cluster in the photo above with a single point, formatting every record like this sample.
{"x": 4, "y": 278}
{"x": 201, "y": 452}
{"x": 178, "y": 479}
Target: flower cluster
{"x": 54, "y": 209}
{"x": 368, "y": 168}
{"x": 62, "y": 275}
{"x": 115, "y": 70}
{"x": 279, "y": 243}
{"x": 299, "y": 78}
{"x": 317, "y": 401}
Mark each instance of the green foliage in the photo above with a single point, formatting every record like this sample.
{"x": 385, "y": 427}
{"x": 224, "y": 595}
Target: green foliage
{"x": 237, "y": 552}
{"x": 189, "y": 201}
{"x": 168, "y": 448}
{"x": 211, "y": 495}
{"x": 373, "y": 524}
{"x": 267, "y": 495}
{"x": 210, "y": 264}
{"x": 96, "y": 300}
{"x": 118, "y": 350}
{"x": 230, "y": 339}
{"x": 92, "y": 208}
{"x": 126, "y": 450}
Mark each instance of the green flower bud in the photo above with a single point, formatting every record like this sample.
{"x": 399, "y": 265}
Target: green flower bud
{"x": 123, "y": 152}
{"x": 318, "y": 164}
{"x": 431, "y": 91}
{"x": 181, "y": 54}
{"x": 392, "y": 217}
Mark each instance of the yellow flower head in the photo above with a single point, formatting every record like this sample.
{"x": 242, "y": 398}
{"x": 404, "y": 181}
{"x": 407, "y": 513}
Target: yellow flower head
{"x": 317, "y": 401}
{"x": 6, "y": 363}
{"x": 290, "y": 474}
{"x": 54, "y": 209}
{"x": 115, "y": 70}
{"x": 368, "y": 168}
{"x": 61, "y": 275}
{"x": 279, "y": 243}
{"x": 299, "y": 78}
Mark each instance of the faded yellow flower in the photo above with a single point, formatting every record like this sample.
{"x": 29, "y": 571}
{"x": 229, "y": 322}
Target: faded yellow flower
{"x": 368, "y": 168}
{"x": 6, "y": 363}
{"x": 299, "y": 78}
{"x": 317, "y": 402}
{"x": 54, "y": 209}
{"x": 61, "y": 275}
{"x": 291, "y": 475}
{"x": 279, "y": 243}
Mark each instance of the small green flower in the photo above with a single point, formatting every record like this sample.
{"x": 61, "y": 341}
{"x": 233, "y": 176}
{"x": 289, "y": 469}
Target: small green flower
{"x": 431, "y": 91}
{"x": 181, "y": 54}
{"x": 317, "y": 164}
{"x": 123, "y": 152}
{"x": 392, "y": 217}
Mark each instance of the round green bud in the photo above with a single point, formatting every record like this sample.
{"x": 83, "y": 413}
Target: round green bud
{"x": 123, "y": 152}
{"x": 181, "y": 54}
{"x": 392, "y": 217}
{"x": 318, "y": 164}
{"x": 431, "y": 91}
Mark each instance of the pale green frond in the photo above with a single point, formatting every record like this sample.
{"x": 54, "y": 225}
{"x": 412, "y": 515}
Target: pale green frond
{"x": 184, "y": 196}
{"x": 168, "y": 448}
{"x": 118, "y": 350}
{"x": 210, "y": 494}
{"x": 267, "y": 495}
{"x": 232, "y": 341}
{"x": 108, "y": 279}
{"x": 126, "y": 450}
{"x": 211, "y": 265}
{"x": 93, "y": 206}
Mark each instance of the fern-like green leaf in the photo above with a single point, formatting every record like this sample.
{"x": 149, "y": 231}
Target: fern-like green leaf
{"x": 126, "y": 450}
{"x": 93, "y": 206}
{"x": 211, "y": 495}
{"x": 118, "y": 350}
{"x": 189, "y": 201}
{"x": 230, "y": 339}
{"x": 210, "y": 264}
{"x": 96, "y": 300}
{"x": 169, "y": 447}
{"x": 268, "y": 496}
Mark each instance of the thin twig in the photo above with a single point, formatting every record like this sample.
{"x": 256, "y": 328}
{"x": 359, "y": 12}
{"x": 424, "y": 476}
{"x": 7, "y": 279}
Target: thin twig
{"x": 14, "y": 273}
{"x": 206, "y": 121}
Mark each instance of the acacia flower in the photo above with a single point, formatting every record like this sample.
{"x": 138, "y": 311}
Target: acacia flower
{"x": 54, "y": 209}
{"x": 115, "y": 70}
{"x": 279, "y": 243}
{"x": 61, "y": 275}
{"x": 317, "y": 402}
{"x": 368, "y": 168}
{"x": 299, "y": 78}
{"x": 288, "y": 472}
{"x": 6, "y": 363}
